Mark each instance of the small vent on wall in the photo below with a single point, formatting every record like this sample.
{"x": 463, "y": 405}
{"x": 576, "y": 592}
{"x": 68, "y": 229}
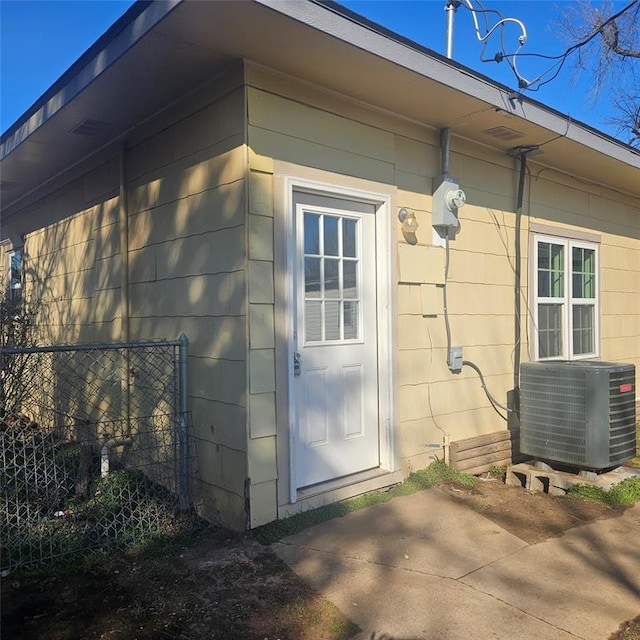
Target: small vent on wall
{"x": 91, "y": 128}
{"x": 503, "y": 133}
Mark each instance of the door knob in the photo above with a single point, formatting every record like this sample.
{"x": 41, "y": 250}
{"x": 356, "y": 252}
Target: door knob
{"x": 297, "y": 367}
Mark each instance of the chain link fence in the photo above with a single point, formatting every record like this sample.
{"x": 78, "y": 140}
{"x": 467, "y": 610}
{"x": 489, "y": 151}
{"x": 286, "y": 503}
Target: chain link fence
{"x": 93, "y": 449}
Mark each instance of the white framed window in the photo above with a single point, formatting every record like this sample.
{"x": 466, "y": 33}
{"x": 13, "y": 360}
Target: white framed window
{"x": 15, "y": 276}
{"x": 566, "y": 300}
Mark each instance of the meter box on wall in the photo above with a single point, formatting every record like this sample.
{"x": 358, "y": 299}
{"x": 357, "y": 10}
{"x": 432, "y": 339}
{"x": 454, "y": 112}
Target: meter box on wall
{"x": 448, "y": 197}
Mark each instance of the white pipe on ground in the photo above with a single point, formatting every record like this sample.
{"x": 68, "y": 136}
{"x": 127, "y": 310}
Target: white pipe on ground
{"x": 106, "y": 449}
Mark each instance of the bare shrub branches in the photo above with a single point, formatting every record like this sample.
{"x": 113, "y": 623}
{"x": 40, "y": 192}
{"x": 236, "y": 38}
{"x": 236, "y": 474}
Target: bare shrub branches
{"x": 611, "y": 58}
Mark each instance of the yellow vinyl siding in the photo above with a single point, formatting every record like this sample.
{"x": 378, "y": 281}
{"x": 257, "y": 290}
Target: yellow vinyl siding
{"x": 60, "y": 273}
{"x": 206, "y": 234}
{"x": 187, "y": 239}
{"x": 187, "y": 206}
{"x": 301, "y": 122}
{"x": 262, "y": 445}
{"x": 319, "y": 156}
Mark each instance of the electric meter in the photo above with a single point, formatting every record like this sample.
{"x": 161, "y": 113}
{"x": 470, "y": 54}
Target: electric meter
{"x": 455, "y": 198}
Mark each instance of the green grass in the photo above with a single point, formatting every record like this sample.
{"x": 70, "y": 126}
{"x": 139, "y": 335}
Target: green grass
{"x": 622, "y": 493}
{"x": 635, "y": 462}
{"x": 588, "y": 492}
{"x": 625, "y": 492}
{"x": 436, "y": 473}
{"x": 629, "y": 630}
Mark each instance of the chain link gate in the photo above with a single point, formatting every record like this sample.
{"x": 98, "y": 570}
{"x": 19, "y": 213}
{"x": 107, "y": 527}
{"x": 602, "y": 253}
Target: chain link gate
{"x": 93, "y": 448}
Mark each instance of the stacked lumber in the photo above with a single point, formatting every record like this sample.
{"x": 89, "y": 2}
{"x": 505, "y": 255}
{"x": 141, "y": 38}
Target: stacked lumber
{"x": 480, "y": 453}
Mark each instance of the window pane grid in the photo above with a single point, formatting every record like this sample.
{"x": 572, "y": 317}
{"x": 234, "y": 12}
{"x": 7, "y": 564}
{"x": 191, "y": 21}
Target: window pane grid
{"x": 550, "y": 270}
{"x": 550, "y": 330}
{"x": 331, "y": 278}
{"x": 567, "y": 299}
{"x": 584, "y": 277}
{"x": 583, "y": 329}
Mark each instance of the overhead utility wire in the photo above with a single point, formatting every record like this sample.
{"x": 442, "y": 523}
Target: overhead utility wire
{"x": 490, "y": 30}
{"x": 562, "y": 58}
{"x": 510, "y": 58}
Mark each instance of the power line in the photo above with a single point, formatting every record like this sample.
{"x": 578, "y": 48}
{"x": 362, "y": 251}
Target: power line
{"x": 511, "y": 58}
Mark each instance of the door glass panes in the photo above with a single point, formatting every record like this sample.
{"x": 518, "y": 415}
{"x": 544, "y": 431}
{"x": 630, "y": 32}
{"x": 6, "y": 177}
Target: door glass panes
{"x": 331, "y": 277}
{"x": 549, "y": 330}
{"x": 331, "y": 320}
{"x": 349, "y": 238}
{"x": 313, "y": 320}
{"x": 311, "y": 234}
{"x": 584, "y": 273}
{"x": 350, "y": 310}
{"x": 550, "y": 270}
{"x": 349, "y": 279}
{"x": 331, "y": 242}
{"x": 312, "y": 277}
{"x": 583, "y": 329}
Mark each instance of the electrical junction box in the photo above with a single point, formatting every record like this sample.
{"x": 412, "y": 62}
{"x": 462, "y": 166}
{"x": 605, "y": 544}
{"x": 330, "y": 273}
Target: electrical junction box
{"x": 448, "y": 197}
{"x": 455, "y": 359}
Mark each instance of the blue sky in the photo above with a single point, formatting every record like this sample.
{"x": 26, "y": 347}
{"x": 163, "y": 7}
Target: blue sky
{"x": 40, "y": 39}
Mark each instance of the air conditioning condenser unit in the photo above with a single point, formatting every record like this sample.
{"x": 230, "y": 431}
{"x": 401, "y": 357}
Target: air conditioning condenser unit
{"x": 579, "y": 413}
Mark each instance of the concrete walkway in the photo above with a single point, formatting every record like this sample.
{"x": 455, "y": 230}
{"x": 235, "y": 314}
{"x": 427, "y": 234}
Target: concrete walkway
{"x": 424, "y": 567}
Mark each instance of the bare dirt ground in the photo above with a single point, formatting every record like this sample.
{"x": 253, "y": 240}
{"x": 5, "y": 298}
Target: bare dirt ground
{"x": 533, "y": 517}
{"x": 228, "y": 586}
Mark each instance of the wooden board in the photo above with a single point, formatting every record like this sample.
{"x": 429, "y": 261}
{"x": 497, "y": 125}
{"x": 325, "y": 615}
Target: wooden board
{"x": 480, "y": 453}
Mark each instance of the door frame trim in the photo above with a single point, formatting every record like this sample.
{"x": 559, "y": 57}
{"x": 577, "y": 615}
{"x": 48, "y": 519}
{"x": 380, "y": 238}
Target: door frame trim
{"x": 382, "y": 200}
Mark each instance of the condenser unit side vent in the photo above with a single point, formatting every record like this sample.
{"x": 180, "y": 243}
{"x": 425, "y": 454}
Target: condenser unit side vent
{"x": 578, "y": 413}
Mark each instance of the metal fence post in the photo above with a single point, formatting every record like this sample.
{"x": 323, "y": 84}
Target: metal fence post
{"x": 183, "y": 408}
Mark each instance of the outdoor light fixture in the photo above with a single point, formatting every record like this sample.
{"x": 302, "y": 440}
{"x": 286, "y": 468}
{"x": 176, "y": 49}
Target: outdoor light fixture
{"x": 409, "y": 225}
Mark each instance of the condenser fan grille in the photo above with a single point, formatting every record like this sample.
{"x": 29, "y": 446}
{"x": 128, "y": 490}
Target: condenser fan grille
{"x": 578, "y": 413}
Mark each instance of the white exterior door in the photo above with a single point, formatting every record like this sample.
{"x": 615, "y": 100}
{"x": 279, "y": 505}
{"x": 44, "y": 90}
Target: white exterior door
{"x": 335, "y": 335}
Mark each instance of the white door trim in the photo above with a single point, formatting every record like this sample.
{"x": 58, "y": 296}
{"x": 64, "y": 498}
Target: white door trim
{"x": 382, "y": 202}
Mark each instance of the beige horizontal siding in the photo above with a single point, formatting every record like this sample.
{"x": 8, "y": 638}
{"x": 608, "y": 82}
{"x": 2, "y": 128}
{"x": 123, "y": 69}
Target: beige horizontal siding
{"x": 206, "y": 295}
{"x": 217, "y": 337}
{"x": 220, "y": 207}
{"x": 418, "y": 332}
{"x": 223, "y": 423}
{"x": 482, "y": 271}
{"x": 187, "y": 239}
{"x": 217, "y": 379}
{"x": 187, "y": 141}
{"x": 319, "y": 156}
{"x": 219, "y": 504}
{"x": 294, "y": 120}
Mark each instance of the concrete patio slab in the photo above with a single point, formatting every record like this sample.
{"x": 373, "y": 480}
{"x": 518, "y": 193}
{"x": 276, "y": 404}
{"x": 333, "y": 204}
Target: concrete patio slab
{"x": 424, "y": 567}
{"x": 587, "y": 581}
{"x": 426, "y": 532}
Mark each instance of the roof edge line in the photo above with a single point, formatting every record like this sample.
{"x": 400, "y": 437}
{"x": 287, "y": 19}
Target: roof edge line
{"x": 139, "y": 20}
